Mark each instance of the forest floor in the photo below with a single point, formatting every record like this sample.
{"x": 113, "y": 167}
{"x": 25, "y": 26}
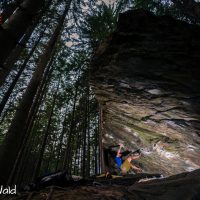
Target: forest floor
{"x": 132, "y": 187}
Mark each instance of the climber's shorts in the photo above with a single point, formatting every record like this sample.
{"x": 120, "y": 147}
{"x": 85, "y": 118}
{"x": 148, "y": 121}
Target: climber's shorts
{"x": 125, "y": 167}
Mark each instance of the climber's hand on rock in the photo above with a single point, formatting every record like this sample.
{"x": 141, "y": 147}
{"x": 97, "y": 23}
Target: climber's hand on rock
{"x": 139, "y": 170}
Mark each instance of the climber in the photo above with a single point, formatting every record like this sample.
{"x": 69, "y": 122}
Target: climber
{"x": 125, "y": 166}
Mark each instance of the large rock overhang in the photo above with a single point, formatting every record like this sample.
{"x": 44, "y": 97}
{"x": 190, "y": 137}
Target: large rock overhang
{"x": 146, "y": 79}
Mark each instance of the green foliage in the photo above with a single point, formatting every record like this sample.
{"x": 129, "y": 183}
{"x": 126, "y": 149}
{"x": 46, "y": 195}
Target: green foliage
{"x": 76, "y": 109}
{"x": 99, "y": 24}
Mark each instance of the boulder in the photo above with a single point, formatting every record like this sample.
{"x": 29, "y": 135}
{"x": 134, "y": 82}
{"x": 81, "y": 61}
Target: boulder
{"x": 145, "y": 77}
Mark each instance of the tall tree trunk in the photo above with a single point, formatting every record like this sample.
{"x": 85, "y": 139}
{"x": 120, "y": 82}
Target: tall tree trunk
{"x": 14, "y": 138}
{"x": 88, "y": 131}
{"x": 61, "y": 138}
{"x": 101, "y": 154}
{"x": 68, "y": 156}
{"x": 8, "y": 11}
{"x": 16, "y": 52}
{"x": 84, "y": 139}
{"x": 46, "y": 134}
{"x": 14, "y": 55}
{"x": 10, "y": 89}
{"x": 79, "y": 160}
{"x": 15, "y": 174}
{"x": 14, "y": 29}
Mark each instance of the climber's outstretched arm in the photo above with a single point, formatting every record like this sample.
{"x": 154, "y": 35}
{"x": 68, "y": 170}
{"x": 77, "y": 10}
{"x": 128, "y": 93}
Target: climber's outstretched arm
{"x": 137, "y": 169}
{"x": 134, "y": 157}
{"x": 119, "y": 150}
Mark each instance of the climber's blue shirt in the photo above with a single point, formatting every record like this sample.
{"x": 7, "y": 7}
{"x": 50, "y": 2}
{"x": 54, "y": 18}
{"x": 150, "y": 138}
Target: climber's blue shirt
{"x": 118, "y": 160}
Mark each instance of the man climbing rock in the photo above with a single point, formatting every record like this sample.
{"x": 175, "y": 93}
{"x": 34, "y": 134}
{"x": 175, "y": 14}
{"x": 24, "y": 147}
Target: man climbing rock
{"x": 125, "y": 166}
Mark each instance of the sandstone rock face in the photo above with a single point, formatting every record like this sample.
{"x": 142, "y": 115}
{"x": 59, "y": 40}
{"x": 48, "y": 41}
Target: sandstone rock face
{"x": 146, "y": 77}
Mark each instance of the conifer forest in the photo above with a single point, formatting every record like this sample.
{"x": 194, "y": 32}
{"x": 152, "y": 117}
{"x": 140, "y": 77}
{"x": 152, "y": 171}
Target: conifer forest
{"x": 81, "y": 78}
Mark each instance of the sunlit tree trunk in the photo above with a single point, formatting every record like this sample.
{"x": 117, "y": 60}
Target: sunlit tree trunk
{"x": 85, "y": 121}
{"x": 77, "y": 143}
{"x": 33, "y": 139}
{"x": 61, "y": 139}
{"x": 88, "y": 132}
{"x": 6, "y": 111}
{"x": 19, "y": 163}
{"x": 96, "y": 151}
{"x": 51, "y": 157}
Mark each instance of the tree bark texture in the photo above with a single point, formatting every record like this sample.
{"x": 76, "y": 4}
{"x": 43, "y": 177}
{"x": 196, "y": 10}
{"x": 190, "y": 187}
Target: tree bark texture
{"x": 46, "y": 134}
{"x": 67, "y": 155}
{"x": 10, "y": 89}
{"x": 14, "y": 138}
{"x": 8, "y": 11}
{"x": 14, "y": 55}
{"x": 13, "y": 29}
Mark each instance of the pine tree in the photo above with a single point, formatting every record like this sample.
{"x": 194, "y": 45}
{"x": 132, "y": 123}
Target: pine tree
{"x": 14, "y": 138}
{"x": 13, "y": 30}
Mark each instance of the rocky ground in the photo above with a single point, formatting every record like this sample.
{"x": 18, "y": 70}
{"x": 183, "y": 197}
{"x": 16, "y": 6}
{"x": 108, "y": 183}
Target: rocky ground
{"x": 185, "y": 186}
